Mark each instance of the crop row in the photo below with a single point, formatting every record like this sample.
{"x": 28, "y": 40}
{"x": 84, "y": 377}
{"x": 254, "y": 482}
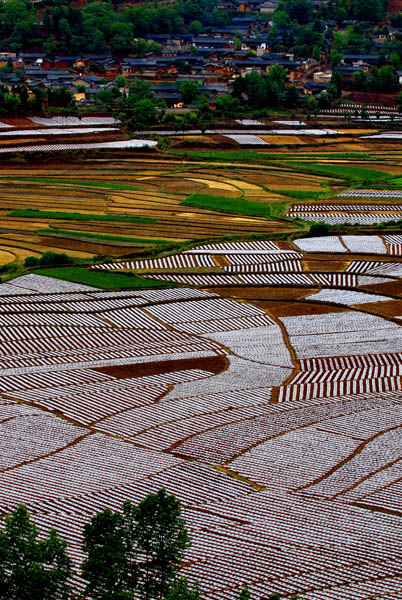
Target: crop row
{"x": 359, "y": 244}
{"x": 69, "y": 121}
{"x": 372, "y": 194}
{"x": 312, "y": 208}
{"x": 83, "y": 146}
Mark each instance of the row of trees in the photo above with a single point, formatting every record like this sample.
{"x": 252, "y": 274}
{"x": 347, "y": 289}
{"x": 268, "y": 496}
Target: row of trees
{"x": 134, "y": 553}
{"x": 384, "y": 80}
{"x": 137, "y": 551}
{"x": 98, "y": 27}
{"x": 299, "y": 26}
{"x": 18, "y": 101}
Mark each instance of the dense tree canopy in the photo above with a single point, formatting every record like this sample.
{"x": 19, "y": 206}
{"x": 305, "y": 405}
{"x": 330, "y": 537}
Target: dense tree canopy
{"x": 32, "y": 569}
{"x": 261, "y": 92}
{"x": 101, "y": 26}
{"x": 136, "y": 551}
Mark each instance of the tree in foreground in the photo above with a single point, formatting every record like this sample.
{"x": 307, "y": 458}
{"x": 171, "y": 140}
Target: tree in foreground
{"x": 109, "y": 569}
{"x": 32, "y": 568}
{"x": 182, "y": 590}
{"x": 138, "y": 551}
{"x": 161, "y": 537}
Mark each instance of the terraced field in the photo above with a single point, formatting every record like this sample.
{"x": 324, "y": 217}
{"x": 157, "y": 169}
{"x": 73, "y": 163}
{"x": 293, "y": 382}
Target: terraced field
{"x": 154, "y": 199}
{"x": 264, "y": 389}
{"x": 171, "y": 199}
{"x": 267, "y": 397}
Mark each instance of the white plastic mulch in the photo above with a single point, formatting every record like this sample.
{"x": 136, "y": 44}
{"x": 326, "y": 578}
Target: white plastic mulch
{"x": 329, "y": 243}
{"x": 56, "y": 131}
{"x": 40, "y": 283}
{"x": 71, "y": 121}
{"x": 248, "y": 122}
{"x": 6, "y": 289}
{"x": 360, "y": 244}
{"x": 306, "y": 132}
{"x": 94, "y": 146}
{"x": 229, "y": 132}
{"x": 372, "y": 244}
{"x": 372, "y": 194}
{"x": 346, "y": 297}
{"x": 290, "y": 123}
{"x": 383, "y": 136}
{"x": 247, "y": 140}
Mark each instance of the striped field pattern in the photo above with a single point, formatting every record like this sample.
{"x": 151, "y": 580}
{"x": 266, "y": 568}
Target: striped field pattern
{"x": 277, "y": 423}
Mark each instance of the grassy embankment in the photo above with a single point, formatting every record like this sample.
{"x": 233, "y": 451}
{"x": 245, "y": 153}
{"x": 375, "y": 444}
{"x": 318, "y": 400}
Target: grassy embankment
{"x": 268, "y": 210}
{"x": 83, "y": 182}
{"x": 254, "y": 156}
{"x": 74, "y": 216}
{"x": 351, "y": 174}
{"x": 102, "y": 236}
{"x": 104, "y": 280}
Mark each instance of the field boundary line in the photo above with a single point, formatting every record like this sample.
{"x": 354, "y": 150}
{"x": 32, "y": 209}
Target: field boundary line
{"x": 344, "y": 461}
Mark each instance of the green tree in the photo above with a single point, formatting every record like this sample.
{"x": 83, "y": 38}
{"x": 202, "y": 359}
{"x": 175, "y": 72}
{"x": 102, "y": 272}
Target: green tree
{"x": 360, "y": 80}
{"x": 337, "y": 83}
{"x": 244, "y": 594}
{"x": 319, "y": 229}
{"x": 39, "y": 98}
{"x": 138, "y": 551}
{"x": 9, "y": 103}
{"x": 139, "y": 90}
{"x": 237, "y": 43}
{"x": 109, "y": 569}
{"x": 32, "y": 569}
{"x": 181, "y": 590}
{"x": 292, "y": 96}
{"x": 55, "y": 259}
{"x": 298, "y": 10}
{"x": 50, "y": 46}
{"x": 255, "y": 89}
{"x": 395, "y": 60}
{"x": 143, "y": 113}
{"x": 383, "y": 79}
{"x": 15, "y": 11}
{"x": 277, "y": 73}
{"x": 59, "y": 97}
{"x": 106, "y": 98}
{"x": 335, "y": 59}
{"x": 188, "y": 90}
{"x": 65, "y": 34}
{"x": 195, "y": 27}
{"x": 228, "y": 106}
{"x": 120, "y": 81}
{"x": 368, "y": 10}
{"x": 161, "y": 538}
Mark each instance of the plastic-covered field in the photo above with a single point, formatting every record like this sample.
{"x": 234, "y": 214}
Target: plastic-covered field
{"x": 83, "y": 146}
{"x": 130, "y": 391}
{"x": 73, "y": 121}
{"x": 56, "y": 131}
{"x": 356, "y": 244}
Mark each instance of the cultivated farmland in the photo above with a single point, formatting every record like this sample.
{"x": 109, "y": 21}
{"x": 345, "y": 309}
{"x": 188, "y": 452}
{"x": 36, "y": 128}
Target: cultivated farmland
{"x": 264, "y": 389}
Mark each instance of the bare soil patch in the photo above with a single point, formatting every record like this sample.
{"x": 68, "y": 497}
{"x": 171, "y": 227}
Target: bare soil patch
{"x": 394, "y": 288}
{"x": 294, "y": 309}
{"x": 337, "y": 266}
{"x": 283, "y": 140}
{"x": 6, "y": 256}
{"x": 214, "y": 364}
{"x": 265, "y": 293}
{"x": 392, "y": 308}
